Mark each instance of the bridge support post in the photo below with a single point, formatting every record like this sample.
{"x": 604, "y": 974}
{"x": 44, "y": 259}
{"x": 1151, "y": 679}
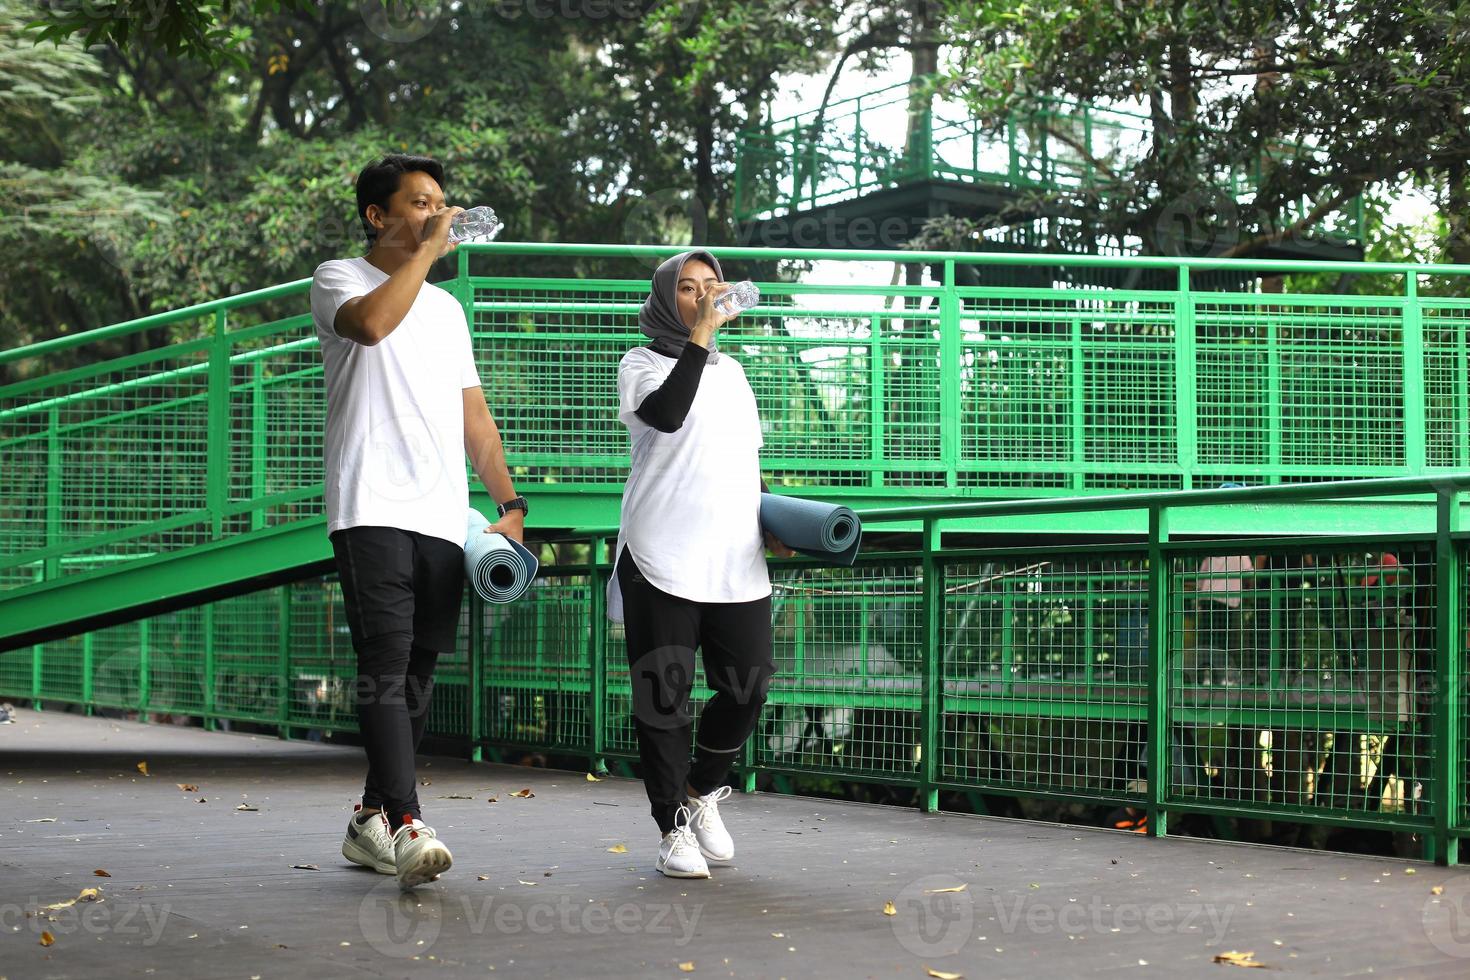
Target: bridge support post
{"x": 1449, "y": 700}
{"x": 1157, "y": 729}
{"x": 933, "y": 691}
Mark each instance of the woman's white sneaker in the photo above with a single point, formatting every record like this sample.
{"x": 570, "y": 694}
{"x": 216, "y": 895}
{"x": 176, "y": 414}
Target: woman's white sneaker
{"x": 714, "y": 840}
{"x": 418, "y": 854}
{"x": 678, "y": 852}
{"x": 369, "y": 842}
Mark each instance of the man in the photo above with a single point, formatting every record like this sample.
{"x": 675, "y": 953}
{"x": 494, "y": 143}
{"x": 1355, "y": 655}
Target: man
{"x": 404, "y": 404}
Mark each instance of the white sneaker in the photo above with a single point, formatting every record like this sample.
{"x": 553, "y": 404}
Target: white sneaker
{"x": 678, "y": 852}
{"x": 369, "y": 842}
{"x": 418, "y": 854}
{"x": 714, "y": 840}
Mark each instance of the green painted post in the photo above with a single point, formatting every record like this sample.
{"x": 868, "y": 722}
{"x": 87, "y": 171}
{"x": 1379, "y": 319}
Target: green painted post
{"x": 949, "y": 378}
{"x": 1185, "y": 394}
{"x": 51, "y": 567}
{"x": 87, "y": 673}
{"x": 1461, "y": 455}
{"x": 876, "y": 401}
{"x": 218, "y": 449}
{"x": 145, "y": 639}
{"x": 1079, "y": 407}
{"x": 207, "y": 615}
{"x": 1273, "y": 401}
{"x": 283, "y": 665}
{"x": 598, "y": 571}
{"x": 1449, "y": 704}
{"x": 258, "y": 462}
{"x": 933, "y": 677}
{"x": 1415, "y": 436}
{"x": 476, "y": 653}
{"x": 1160, "y": 621}
{"x": 857, "y": 145}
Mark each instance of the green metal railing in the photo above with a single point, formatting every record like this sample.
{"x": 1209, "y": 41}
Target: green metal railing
{"x": 1299, "y": 678}
{"x": 890, "y": 137}
{"x": 202, "y": 426}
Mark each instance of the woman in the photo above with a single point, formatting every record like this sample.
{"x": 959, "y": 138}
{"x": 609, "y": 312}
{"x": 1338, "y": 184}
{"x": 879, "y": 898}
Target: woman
{"x": 690, "y": 571}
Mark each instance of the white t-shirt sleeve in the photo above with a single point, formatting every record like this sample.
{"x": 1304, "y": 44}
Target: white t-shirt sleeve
{"x": 334, "y": 283}
{"x": 638, "y": 377}
{"x": 469, "y": 373}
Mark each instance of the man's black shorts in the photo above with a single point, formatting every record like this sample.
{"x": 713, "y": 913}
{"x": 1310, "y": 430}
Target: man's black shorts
{"x": 396, "y": 581}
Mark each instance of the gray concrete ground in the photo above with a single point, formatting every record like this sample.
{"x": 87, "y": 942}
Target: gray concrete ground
{"x": 201, "y": 888}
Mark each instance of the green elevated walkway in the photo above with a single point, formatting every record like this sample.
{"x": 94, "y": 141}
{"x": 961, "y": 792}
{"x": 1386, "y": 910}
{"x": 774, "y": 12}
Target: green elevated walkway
{"x": 176, "y": 459}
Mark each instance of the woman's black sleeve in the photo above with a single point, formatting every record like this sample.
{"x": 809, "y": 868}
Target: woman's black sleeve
{"x": 666, "y": 407}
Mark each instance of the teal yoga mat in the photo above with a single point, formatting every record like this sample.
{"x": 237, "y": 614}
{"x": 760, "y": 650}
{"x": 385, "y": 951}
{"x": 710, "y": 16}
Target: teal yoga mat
{"x": 499, "y": 568}
{"x": 828, "y": 531}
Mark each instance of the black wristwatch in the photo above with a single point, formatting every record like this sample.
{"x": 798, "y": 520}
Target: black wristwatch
{"x": 515, "y": 503}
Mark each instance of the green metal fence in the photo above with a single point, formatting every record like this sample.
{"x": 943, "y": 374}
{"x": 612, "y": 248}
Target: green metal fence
{"x": 849, "y": 148}
{"x": 1300, "y": 678}
{"x": 201, "y": 426}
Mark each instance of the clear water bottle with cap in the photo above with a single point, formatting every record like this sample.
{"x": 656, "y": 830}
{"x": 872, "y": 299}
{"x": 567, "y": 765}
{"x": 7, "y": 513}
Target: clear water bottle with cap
{"x": 475, "y": 225}
{"x": 741, "y": 296}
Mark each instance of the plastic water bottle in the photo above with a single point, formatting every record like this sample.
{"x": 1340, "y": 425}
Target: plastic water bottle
{"x": 475, "y": 225}
{"x": 741, "y": 296}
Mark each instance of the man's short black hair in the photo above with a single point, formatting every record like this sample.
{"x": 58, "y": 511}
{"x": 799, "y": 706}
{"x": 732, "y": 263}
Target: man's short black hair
{"x": 379, "y": 181}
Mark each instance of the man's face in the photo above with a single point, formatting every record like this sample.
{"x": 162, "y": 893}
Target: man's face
{"x": 695, "y": 279}
{"x": 402, "y": 224}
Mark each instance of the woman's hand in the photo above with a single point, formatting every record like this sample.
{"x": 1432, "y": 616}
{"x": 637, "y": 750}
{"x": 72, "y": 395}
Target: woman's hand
{"x": 778, "y": 547}
{"x": 707, "y": 319}
{"x": 512, "y": 525}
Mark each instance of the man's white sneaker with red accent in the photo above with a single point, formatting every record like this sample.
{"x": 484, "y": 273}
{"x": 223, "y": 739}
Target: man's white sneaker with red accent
{"x": 369, "y": 842}
{"x": 418, "y": 854}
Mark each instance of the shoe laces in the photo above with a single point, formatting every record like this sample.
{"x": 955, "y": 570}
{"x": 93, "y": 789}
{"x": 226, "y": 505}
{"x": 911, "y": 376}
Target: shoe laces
{"x": 682, "y": 836}
{"x": 709, "y": 807}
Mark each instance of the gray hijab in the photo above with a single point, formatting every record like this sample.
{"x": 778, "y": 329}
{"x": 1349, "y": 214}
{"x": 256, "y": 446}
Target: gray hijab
{"x": 659, "y": 317}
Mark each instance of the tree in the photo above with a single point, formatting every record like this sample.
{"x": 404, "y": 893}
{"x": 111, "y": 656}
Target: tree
{"x": 1252, "y": 107}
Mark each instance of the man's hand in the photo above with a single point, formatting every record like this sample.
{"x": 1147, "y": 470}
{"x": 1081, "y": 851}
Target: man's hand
{"x": 436, "y": 231}
{"x": 512, "y": 525}
{"x": 778, "y": 547}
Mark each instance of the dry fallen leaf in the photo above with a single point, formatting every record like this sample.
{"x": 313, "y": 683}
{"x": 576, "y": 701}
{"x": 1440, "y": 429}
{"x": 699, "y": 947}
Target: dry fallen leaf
{"x": 941, "y": 891}
{"x": 1235, "y": 958}
{"x": 456, "y": 796}
{"x": 1437, "y": 890}
{"x": 618, "y": 849}
{"x": 492, "y": 800}
{"x": 187, "y": 787}
{"x": 248, "y": 808}
{"x": 426, "y": 782}
{"x": 85, "y": 895}
{"x": 143, "y": 768}
{"x": 47, "y": 939}
{"x": 42, "y": 820}
{"x": 306, "y": 867}
{"x": 483, "y": 877}
{"x": 687, "y": 967}
{"x": 524, "y": 794}
{"x": 102, "y": 874}
{"x": 941, "y": 975}
{"x": 888, "y": 909}
{"x": 528, "y": 882}
{"x": 593, "y": 779}
{"x": 201, "y": 800}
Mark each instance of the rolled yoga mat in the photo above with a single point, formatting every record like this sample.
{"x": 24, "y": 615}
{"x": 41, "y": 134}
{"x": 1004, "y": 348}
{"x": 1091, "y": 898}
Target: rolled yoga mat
{"x": 500, "y": 568}
{"x": 828, "y": 531}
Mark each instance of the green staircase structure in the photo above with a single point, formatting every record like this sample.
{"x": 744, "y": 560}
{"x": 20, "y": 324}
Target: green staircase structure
{"x": 1036, "y": 465}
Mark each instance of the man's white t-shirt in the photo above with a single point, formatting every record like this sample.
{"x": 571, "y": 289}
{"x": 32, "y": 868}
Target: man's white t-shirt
{"x": 691, "y": 506}
{"x": 394, "y": 448}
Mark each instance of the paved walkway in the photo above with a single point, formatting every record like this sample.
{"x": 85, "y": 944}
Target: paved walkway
{"x": 201, "y": 888}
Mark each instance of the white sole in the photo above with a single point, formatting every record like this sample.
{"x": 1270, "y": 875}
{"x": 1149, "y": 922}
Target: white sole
{"x": 353, "y": 852}
{"x": 716, "y": 858}
{"x": 430, "y": 865}
{"x": 666, "y": 872}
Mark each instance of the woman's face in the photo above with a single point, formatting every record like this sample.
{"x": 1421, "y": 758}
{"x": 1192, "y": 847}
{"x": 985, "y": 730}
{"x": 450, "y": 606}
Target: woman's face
{"x": 695, "y": 279}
